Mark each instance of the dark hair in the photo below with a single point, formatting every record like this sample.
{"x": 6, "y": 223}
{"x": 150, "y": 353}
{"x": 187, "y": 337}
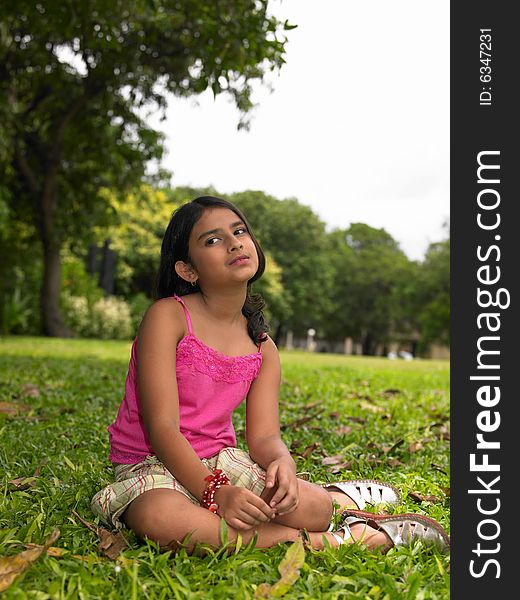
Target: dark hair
{"x": 175, "y": 247}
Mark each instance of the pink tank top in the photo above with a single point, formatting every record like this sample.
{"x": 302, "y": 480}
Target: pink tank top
{"x": 210, "y": 384}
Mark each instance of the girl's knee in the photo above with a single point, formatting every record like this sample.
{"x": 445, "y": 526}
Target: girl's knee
{"x": 323, "y": 506}
{"x": 154, "y": 515}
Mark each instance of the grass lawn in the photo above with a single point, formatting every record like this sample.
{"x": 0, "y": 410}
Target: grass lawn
{"x": 342, "y": 417}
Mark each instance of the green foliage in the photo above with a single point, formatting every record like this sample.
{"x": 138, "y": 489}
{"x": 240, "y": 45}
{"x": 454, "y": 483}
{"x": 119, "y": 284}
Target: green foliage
{"x": 433, "y": 295}
{"x": 20, "y": 278}
{"x": 15, "y": 312}
{"x": 76, "y": 83}
{"x": 140, "y": 219}
{"x": 107, "y": 318}
{"x": 80, "y": 384}
{"x": 371, "y": 272}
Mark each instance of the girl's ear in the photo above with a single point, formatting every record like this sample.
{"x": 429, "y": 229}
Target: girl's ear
{"x": 185, "y": 271}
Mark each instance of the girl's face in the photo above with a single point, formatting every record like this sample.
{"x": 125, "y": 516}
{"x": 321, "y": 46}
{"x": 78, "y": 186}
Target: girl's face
{"x": 221, "y": 249}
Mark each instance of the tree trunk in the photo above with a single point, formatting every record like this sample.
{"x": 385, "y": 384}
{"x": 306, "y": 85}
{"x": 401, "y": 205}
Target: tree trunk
{"x": 52, "y": 320}
{"x": 368, "y": 345}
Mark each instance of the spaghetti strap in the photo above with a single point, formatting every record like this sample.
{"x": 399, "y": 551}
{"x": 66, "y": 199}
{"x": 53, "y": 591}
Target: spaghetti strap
{"x": 186, "y": 312}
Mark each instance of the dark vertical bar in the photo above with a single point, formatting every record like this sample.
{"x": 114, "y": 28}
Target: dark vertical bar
{"x": 484, "y": 125}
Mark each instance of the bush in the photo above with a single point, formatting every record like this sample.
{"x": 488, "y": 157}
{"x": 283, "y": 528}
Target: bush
{"x": 138, "y": 306}
{"x": 108, "y": 318}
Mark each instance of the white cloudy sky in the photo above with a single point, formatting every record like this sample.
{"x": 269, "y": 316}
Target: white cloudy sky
{"x": 357, "y": 126}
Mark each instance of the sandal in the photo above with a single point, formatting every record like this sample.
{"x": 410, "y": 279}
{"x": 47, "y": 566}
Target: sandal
{"x": 403, "y": 529}
{"x": 367, "y": 492}
{"x": 346, "y": 535}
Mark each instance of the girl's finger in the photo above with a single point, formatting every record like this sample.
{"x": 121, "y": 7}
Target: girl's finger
{"x": 262, "y": 506}
{"x": 270, "y": 476}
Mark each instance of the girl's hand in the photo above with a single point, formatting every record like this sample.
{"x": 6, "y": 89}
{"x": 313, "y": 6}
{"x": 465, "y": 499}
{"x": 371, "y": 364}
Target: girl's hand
{"x": 240, "y": 508}
{"x": 281, "y": 476}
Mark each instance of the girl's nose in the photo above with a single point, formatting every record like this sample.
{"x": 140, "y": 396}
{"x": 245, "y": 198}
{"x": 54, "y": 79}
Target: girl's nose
{"x": 236, "y": 243}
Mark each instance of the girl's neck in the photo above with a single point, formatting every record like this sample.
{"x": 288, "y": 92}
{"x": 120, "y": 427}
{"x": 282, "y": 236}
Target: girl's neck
{"x": 223, "y": 306}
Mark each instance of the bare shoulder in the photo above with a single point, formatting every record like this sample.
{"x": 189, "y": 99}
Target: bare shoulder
{"x": 270, "y": 352}
{"x": 164, "y": 319}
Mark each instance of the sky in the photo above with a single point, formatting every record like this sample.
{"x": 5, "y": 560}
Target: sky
{"x": 357, "y": 126}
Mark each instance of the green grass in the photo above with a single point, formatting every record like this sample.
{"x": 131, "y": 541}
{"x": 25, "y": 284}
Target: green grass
{"x": 400, "y": 436}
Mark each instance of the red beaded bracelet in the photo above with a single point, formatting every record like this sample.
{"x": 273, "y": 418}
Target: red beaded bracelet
{"x": 215, "y": 481}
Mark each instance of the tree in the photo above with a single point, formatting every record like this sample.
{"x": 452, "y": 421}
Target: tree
{"x": 432, "y": 295}
{"x": 75, "y": 80}
{"x": 370, "y": 272}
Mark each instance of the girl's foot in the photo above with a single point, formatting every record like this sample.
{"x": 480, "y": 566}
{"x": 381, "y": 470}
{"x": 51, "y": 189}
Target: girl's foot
{"x": 363, "y": 534}
{"x": 401, "y": 530}
{"x": 360, "y": 532}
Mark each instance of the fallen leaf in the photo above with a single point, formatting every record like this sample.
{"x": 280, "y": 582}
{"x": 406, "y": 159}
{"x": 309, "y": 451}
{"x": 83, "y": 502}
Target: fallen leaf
{"x": 334, "y": 415}
{"x": 446, "y": 490}
{"x": 394, "y": 462}
{"x": 424, "y": 497}
{"x": 340, "y": 467}
{"x": 308, "y": 451}
{"x": 298, "y": 422}
{"x": 389, "y": 449}
{"x": 111, "y": 544}
{"x": 374, "y": 408}
{"x": 415, "y": 446}
{"x": 24, "y": 483}
{"x": 308, "y": 407}
{"x": 289, "y": 570}
{"x": 392, "y": 392}
{"x": 344, "y": 430}
{"x": 29, "y": 389}
{"x": 443, "y": 433}
{"x": 332, "y": 460}
{"x": 13, "y": 408}
{"x": 357, "y": 419}
{"x": 13, "y": 566}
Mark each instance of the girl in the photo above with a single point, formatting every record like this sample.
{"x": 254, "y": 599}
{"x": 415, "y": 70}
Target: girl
{"x": 202, "y": 349}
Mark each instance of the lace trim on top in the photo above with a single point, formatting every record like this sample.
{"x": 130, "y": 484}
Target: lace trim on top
{"x": 193, "y": 353}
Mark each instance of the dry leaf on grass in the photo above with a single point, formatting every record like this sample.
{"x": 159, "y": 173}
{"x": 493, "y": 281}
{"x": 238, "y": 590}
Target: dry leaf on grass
{"x": 298, "y": 422}
{"x": 357, "y": 419}
{"x": 417, "y": 497}
{"x": 111, "y": 544}
{"x": 24, "y": 483}
{"x": 30, "y": 389}
{"x": 13, "y": 566}
{"x": 64, "y": 553}
{"x": 374, "y": 408}
{"x": 13, "y": 408}
{"x": 310, "y": 449}
{"x": 415, "y": 446}
{"x": 392, "y": 392}
{"x": 332, "y": 460}
{"x": 344, "y": 430}
{"x": 340, "y": 467}
{"x": 390, "y": 449}
{"x": 289, "y": 570}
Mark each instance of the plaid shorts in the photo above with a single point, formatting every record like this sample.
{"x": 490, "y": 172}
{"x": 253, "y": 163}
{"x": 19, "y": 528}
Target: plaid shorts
{"x": 150, "y": 474}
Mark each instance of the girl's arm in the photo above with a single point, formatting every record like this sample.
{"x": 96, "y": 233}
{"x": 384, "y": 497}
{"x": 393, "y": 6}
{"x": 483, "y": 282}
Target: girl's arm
{"x": 160, "y": 331}
{"x": 263, "y": 432}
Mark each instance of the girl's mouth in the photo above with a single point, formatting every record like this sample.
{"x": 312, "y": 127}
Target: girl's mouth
{"x": 240, "y": 260}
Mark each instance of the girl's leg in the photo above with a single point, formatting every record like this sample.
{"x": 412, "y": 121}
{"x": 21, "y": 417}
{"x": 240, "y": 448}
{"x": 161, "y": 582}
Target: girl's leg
{"x": 155, "y": 515}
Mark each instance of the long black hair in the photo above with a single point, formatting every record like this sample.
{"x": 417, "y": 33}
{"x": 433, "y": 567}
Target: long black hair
{"x": 175, "y": 247}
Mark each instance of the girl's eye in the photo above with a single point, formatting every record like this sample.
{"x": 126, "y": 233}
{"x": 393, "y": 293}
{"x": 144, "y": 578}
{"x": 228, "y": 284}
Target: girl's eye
{"x": 209, "y": 241}
{"x": 241, "y": 230}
